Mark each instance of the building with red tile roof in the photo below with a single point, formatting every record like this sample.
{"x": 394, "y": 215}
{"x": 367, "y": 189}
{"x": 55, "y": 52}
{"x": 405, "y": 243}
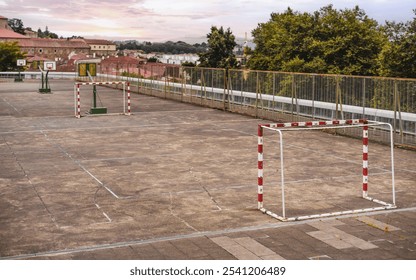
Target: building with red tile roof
{"x": 53, "y": 47}
{"x": 10, "y": 35}
{"x": 6, "y": 31}
{"x": 101, "y": 47}
{"x": 3, "y": 23}
{"x": 118, "y": 65}
{"x": 59, "y": 50}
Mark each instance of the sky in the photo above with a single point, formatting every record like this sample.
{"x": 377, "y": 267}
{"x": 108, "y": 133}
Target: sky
{"x": 187, "y": 20}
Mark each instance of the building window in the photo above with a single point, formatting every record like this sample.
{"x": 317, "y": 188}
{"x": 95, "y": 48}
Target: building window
{"x": 40, "y": 50}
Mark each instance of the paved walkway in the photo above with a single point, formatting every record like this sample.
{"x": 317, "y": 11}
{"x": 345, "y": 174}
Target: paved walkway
{"x": 386, "y": 235}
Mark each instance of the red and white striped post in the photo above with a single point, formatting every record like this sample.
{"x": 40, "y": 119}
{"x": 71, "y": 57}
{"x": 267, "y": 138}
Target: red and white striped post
{"x": 365, "y": 161}
{"x": 128, "y": 99}
{"x": 78, "y": 98}
{"x": 260, "y": 167}
{"x": 78, "y": 114}
{"x": 365, "y": 124}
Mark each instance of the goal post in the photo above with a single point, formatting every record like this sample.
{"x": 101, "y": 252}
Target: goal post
{"x": 126, "y": 100}
{"x": 279, "y": 128}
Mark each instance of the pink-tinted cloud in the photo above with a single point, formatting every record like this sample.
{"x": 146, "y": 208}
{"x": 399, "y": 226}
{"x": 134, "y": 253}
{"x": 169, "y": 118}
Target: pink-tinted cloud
{"x": 159, "y": 20}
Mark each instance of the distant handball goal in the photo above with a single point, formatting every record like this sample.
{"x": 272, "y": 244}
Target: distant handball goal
{"x": 102, "y": 98}
{"x": 99, "y": 98}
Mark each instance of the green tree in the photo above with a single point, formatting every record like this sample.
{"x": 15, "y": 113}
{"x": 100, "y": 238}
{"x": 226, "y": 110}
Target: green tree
{"x": 9, "y": 54}
{"x": 47, "y": 34}
{"x": 166, "y": 47}
{"x": 350, "y": 42}
{"x": 17, "y": 25}
{"x": 398, "y": 57}
{"x": 219, "y": 54}
{"x": 153, "y": 59}
{"x": 327, "y": 41}
{"x": 188, "y": 64}
{"x": 285, "y": 37}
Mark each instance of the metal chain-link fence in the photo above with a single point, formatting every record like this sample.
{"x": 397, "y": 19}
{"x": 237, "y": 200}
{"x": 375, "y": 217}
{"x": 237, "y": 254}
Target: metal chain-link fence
{"x": 279, "y": 96}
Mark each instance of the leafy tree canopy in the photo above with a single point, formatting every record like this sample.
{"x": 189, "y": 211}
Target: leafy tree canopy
{"x": 167, "y": 47}
{"x": 219, "y": 54}
{"x": 47, "y": 34}
{"x": 153, "y": 59}
{"x": 17, "y": 25}
{"x": 398, "y": 57}
{"x": 326, "y": 41}
{"x": 9, "y": 54}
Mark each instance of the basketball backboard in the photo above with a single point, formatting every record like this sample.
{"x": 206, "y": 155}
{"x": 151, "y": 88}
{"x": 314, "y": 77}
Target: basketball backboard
{"x": 21, "y": 62}
{"x": 49, "y": 65}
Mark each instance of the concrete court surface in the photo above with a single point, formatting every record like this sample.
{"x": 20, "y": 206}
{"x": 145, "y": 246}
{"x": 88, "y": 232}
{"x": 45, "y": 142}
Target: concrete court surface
{"x": 178, "y": 181}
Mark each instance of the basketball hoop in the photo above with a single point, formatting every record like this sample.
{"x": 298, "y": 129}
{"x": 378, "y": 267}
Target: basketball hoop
{"x": 49, "y": 65}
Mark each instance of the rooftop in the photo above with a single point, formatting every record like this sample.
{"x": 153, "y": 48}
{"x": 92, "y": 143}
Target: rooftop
{"x": 53, "y": 43}
{"x": 10, "y": 34}
{"x": 98, "y": 42}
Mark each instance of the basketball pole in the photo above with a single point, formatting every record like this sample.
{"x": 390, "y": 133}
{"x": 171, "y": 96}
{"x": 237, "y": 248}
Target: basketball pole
{"x": 45, "y": 84}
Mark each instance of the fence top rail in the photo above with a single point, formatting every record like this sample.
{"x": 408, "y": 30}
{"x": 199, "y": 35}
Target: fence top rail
{"x": 236, "y": 70}
{"x": 322, "y": 124}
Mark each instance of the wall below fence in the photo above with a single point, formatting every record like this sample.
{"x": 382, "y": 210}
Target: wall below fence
{"x": 36, "y": 75}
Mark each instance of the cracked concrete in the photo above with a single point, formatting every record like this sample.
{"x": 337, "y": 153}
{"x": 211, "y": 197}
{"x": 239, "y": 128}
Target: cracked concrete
{"x": 162, "y": 182}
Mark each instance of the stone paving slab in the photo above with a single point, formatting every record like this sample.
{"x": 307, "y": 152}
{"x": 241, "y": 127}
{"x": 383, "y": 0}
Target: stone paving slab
{"x": 168, "y": 180}
{"x": 377, "y": 224}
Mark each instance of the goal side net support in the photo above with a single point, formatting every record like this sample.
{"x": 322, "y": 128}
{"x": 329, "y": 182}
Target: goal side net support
{"x": 126, "y": 100}
{"x": 279, "y": 128}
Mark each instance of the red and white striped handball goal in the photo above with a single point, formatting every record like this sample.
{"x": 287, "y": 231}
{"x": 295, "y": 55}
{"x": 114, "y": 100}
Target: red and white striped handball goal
{"x": 125, "y": 97}
{"x": 313, "y": 125}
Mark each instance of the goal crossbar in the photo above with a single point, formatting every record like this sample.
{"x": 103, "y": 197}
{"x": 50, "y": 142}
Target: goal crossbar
{"x": 280, "y": 127}
{"x": 126, "y": 97}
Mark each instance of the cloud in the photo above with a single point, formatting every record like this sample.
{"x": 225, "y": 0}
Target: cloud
{"x": 158, "y": 20}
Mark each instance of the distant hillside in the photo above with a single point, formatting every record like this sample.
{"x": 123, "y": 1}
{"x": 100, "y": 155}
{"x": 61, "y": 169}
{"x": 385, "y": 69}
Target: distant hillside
{"x": 168, "y": 47}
